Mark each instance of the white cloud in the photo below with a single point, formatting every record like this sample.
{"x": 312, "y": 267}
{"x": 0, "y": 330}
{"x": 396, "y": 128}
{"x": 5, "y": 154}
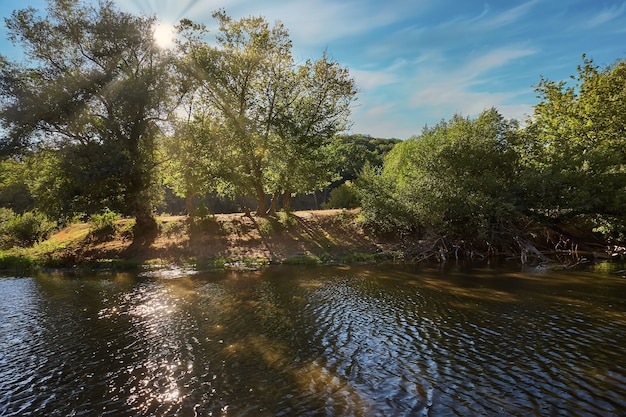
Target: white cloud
{"x": 324, "y": 21}
{"x": 494, "y": 59}
{"x": 606, "y": 15}
{"x": 442, "y": 91}
{"x": 378, "y": 111}
{"x": 172, "y": 11}
{"x": 372, "y": 79}
{"x": 509, "y": 16}
{"x": 384, "y": 123}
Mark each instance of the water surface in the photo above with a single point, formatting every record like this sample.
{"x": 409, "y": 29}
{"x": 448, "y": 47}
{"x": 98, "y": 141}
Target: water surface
{"x": 324, "y": 341}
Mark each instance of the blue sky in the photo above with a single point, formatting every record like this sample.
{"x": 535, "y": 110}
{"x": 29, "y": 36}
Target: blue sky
{"x": 419, "y": 62}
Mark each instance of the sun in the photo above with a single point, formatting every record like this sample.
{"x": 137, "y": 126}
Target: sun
{"x": 164, "y": 34}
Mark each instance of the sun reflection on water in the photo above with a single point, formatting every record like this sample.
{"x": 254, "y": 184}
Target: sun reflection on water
{"x": 155, "y": 383}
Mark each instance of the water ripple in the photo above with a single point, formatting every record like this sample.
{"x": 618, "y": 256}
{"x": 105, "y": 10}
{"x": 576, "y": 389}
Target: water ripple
{"x": 312, "y": 342}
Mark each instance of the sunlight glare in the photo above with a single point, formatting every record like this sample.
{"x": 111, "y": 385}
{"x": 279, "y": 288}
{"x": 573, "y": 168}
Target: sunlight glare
{"x": 164, "y": 34}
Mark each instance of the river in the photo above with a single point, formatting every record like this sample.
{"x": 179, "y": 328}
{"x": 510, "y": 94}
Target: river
{"x": 386, "y": 340}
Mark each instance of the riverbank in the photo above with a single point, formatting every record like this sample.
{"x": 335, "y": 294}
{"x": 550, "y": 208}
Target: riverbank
{"x": 304, "y": 237}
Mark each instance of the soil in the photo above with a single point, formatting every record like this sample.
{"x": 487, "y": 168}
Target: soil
{"x": 321, "y": 234}
{"x": 324, "y": 236}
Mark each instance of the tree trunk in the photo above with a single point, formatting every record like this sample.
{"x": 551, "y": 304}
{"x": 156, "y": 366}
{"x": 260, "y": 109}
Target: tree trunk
{"x": 145, "y": 223}
{"x": 244, "y": 203}
{"x": 273, "y": 205}
{"x": 260, "y": 198}
{"x": 287, "y": 201}
{"x": 189, "y": 208}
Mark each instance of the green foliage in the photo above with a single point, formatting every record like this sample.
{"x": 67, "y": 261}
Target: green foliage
{"x": 203, "y": 222}
{"x": 383, "y": 207}
{"x": 14, "y": 192}
{"x": 344, "y": 218}
{"x": 172, "y": 229}
{"x": 356, "y": 258}
{"x": 262, "y": 117}
{"x": 16, "y": 263}
{"x": 203, "y": 212}
{"x": 6, "y": 216}
{"x": 474, "y": 179}
{"x": 611, "y": 228}
{"x": 458, "y": 178}
{"x": 352, "y": 152}
{"x": 576, "y": 147}
{"x": 302, "y": 260}
{"x": 104, "y": 222}
{"x": 266, "y": 226}
{"x": 24, "y": 229}
{"x": 200, "y": 225}
{"x": 344, "y": 196}
{"x": 209, "y": 264}
{"x": 90, "y": 93}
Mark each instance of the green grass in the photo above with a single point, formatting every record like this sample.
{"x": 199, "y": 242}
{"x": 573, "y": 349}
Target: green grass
{"x": 18, "y": 264}
{"x": 208, "y": 264}
{"x": 354, "y": 258}
{"x": 303, "y": 260}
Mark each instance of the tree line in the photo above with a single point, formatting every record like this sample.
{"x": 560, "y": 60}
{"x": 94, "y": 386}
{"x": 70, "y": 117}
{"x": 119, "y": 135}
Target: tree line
{"x": 488, "y": 182}
{"x": 106, "y": 118}
{"x": 97, "y": 117}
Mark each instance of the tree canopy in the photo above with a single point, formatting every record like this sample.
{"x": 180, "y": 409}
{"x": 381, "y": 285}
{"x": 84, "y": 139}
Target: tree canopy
{"x": 457, "y": 177}
{"x": 108, "y": 115}
{"x": 97, "y": 116}
{"x": 90, "y": 93}
{"x": 487, "y": 177}
{"x": 273, "y": 116}
{"x": 577, "y": 144}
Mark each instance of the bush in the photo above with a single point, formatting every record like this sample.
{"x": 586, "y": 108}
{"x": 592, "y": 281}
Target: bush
{"x": 266, "y": 226}
{"x": 25, "y": 229}
{"x": 203, "y": 221}
{"x": 6, "y": 215}
{"x": 459, "y": 179}
{"x": 344, "y": 196}
{"x": 104, "y": 222}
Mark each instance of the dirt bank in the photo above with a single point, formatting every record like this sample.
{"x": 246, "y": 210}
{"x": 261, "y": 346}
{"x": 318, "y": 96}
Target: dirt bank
{"x": 307, "y": 236}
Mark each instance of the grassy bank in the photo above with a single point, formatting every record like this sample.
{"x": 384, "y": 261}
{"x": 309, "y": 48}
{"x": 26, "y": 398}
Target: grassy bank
{"x": 216, "y": 241}
{"x": 299, "y": 238}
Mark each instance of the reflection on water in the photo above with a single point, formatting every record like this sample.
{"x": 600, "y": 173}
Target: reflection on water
{"x": 360, "y": 341}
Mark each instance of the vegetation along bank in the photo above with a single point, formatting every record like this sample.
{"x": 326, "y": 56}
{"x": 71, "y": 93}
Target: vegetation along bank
{"x": 99, "y": 124}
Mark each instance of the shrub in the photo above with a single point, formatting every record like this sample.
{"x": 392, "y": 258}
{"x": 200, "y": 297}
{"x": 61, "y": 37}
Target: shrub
{"x": 28, "y": 228}
{"x": 104, "y": 222}
{"x": 16, "y": 263}
{"x": 344, "y": 196}
{"x": 344, "y": 218}
{"x": 203, "y": 221}
{"x": 266, "y": 226}
{"x": 172, "y": 229}
{"x": 6, "y": 215}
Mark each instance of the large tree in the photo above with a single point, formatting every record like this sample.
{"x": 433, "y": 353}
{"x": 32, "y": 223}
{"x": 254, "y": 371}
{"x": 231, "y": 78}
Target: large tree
{"x": 575, "y": 149}
{"x": 91, "y": 90}
{"x": 274, "y": 115}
